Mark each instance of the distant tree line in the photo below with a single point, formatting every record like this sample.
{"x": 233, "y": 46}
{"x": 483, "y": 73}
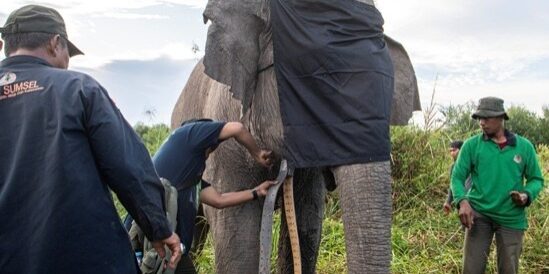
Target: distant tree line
{"x": 458, "y": 122}
{"x": 455, "y": 122}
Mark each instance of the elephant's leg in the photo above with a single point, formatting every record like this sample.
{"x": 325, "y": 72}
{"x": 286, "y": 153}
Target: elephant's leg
{"x": 365, "y": 199}
{"x": 236, "y": 237}
{"x": 309, "y": 194}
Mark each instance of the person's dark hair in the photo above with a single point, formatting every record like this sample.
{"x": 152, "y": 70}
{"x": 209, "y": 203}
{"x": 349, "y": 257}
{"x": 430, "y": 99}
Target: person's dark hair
{"x": 27, "y": 40}
{"x": 456, "y": 144}
{"x": 194, "y": 120}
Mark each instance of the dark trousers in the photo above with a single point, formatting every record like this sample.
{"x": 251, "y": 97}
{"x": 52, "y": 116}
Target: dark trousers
{"x": 477, "y": 246}
{"x": 185, "y": 266}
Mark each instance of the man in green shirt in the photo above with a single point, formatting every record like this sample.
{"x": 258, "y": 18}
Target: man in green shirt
{"x": 506, "y": 178}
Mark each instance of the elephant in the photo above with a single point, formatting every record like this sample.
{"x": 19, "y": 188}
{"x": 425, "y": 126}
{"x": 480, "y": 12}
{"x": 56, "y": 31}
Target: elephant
{"x": 235, "y": 81}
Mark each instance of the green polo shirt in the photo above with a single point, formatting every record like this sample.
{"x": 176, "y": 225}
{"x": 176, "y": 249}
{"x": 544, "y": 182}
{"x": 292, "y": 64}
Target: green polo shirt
{"x": 495, "y": 173}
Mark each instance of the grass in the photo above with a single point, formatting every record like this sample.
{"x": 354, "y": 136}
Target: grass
{"x": 331, "y": 255}
{"x": 424, "y": 240}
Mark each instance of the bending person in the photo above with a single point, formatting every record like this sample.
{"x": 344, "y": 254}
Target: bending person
{"x": 182, "y": 159}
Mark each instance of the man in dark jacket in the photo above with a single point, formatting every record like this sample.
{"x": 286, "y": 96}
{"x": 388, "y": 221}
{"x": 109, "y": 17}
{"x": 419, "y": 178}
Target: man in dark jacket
{"x": 63, "y": 146}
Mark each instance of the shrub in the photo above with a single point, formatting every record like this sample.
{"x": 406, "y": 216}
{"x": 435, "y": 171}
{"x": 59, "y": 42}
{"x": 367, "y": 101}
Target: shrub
{"x": 152, "y": 136}
{"x": 525, "y": 123}
{"x": 457, "y": 119}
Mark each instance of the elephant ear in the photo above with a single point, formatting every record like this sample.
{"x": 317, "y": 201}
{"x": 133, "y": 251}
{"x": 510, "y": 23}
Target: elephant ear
{"x": 406, "y": 95}
{"x": 233, "y": 47}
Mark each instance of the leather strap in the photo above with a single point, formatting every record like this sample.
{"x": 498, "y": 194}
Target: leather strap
{"x": 266, "y": 233}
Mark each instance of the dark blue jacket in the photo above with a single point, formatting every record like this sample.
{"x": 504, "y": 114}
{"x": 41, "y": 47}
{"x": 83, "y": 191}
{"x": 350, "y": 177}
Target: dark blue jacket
{"x": 63, "y": 145}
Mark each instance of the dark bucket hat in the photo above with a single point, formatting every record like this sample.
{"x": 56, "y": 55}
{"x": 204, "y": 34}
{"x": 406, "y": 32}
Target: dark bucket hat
{"x": 489, "y": 107}
{"x": 34, "y": 18}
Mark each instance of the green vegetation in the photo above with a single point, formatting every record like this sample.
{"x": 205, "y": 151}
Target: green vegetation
{"x": 152, "y": 136}
{"x": 457, "y": 122}
{"x": 424, "y": 240}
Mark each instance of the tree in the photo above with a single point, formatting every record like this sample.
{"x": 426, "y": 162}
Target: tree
{"x": 458, "y": 121}
{"x": 459, "y": 125}
{"x": 544, "y": 125}
{"x": 525, "y": 123}
{"x": 152, "y": 136}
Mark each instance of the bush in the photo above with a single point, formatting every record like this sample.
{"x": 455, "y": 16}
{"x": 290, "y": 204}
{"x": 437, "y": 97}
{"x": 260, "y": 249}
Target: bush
{"x": 457, "y": 119}
{"x": 152, "y": 136}
{"x": 458, "y": 122}
{"x": 526, "y": 123}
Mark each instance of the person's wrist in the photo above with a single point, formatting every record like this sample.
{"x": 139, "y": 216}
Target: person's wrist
{"x": 254, "y": 193}
{"x": 462, "y": 202}
{"x": 528, "y": 198}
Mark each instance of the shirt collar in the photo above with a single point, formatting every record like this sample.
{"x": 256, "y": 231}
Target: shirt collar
{"x": 511, "y": 138}
{"x": 23, "y": 59}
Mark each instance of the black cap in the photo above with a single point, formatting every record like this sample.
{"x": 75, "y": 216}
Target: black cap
{"x": 34, "y": 18}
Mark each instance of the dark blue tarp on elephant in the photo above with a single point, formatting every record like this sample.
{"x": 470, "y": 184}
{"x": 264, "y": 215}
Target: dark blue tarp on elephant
{"x": 335, "y": 81}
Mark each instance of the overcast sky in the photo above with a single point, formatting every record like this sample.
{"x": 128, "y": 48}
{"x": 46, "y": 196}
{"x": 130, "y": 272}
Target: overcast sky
{"x": 141, "y": 50}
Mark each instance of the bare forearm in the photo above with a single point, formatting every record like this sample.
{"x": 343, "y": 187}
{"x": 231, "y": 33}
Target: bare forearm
{"x": 247, "y": 140}
{"x": 214, "y": 199}
{"x": 211, "y": 197}
{"x": 235, "y": 198}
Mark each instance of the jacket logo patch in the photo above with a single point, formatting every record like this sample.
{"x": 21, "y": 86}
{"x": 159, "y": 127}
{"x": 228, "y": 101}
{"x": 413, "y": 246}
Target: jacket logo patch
{"x": 517, "y": 159}
{"x": 7, "y": 78}
{"x": 15, "y": 89}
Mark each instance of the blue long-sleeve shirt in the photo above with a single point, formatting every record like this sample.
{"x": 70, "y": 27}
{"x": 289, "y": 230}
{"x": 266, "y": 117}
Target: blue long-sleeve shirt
{"x": 63, "y": 145}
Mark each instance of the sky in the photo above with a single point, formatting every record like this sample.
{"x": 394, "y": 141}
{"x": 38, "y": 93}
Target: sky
{"x": 141, "y": 51}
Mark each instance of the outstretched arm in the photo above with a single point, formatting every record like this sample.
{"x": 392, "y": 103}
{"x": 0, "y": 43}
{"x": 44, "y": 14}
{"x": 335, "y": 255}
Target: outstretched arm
{"x": 211, "y": 197}
{"x": 239, "y": 132}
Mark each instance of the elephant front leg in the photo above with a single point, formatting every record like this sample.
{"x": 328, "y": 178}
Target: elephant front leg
{"x": 236, "y": 237}
{"x": 309, "y": 194}
{"x": 365, "y": 199}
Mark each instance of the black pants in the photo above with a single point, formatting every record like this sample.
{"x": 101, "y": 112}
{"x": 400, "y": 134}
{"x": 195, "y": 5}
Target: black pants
{"x": 477, "y": 246}
{"x": 185, "y": 266}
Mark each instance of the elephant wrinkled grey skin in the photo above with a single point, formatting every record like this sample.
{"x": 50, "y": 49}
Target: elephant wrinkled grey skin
{"x": 239, "y": 55}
